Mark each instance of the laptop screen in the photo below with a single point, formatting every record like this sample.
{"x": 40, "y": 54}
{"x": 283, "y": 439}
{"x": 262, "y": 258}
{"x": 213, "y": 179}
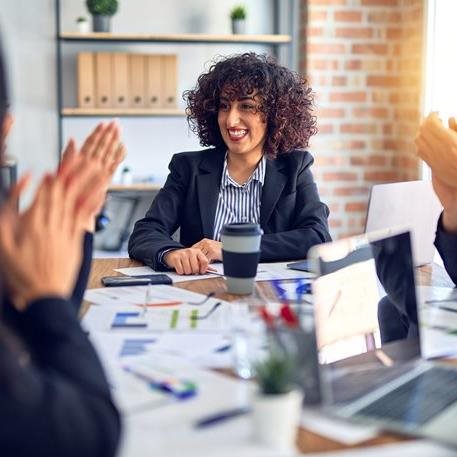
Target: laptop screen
{"x": 364, "y": 302}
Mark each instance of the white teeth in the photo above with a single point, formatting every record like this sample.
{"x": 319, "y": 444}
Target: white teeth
{"x": 237, "y": 133}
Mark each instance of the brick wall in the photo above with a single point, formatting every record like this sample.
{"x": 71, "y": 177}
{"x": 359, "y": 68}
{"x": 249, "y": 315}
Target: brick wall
{"x": 364, "y": 61}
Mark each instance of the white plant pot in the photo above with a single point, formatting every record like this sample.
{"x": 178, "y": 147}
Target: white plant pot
{"x": 276, "y": 418}
{"x": 83, "y": 27}
{"x": 238, "y": 26}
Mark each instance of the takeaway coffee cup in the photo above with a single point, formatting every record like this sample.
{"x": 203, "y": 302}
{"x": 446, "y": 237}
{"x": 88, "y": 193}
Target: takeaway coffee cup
{"x": 240, "y": 255}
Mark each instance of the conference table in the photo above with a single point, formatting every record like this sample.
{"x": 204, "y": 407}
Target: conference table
{"x": 307, "y": 441}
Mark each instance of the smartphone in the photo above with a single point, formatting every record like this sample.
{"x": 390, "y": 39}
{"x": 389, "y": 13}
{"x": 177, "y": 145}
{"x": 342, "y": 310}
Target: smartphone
{"x": 116, "y": 281}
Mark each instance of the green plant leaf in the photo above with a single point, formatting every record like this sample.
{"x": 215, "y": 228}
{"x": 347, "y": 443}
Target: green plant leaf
{"x": 102, "y": 7}
{"x": 238, "y": 12}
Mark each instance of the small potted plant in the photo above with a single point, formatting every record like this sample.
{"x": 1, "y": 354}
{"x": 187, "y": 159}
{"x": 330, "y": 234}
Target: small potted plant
{"x": 238, "y": 17}
{"x": 101, "y": 11}
{"x": 82, "y": 24}
{"x": 277, "y": 405}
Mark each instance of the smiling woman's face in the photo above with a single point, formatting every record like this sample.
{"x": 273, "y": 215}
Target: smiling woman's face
{"x": 242, "y": 125}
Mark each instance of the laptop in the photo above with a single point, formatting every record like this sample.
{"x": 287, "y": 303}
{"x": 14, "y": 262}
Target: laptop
{"x": 410, "y": 205}
{"x": 361, "y": 379}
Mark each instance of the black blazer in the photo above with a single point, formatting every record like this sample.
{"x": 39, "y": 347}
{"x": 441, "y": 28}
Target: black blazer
{"x": 54, "y": 396}
{"x": 291, "y": 214}
{"x": 446, "y": 243}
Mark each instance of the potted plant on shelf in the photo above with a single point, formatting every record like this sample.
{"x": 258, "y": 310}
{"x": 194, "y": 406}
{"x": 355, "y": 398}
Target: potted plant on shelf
{"x": 238, "y": 17}
{"x": 101, "y": 11}
{"x": 277, "y": 405}
{"x": 82, "y": 24}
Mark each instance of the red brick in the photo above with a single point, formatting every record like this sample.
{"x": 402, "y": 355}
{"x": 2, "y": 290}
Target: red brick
{"x": 321, "y": 64}
{"x": 348, "y": 97}
{"x": 384, "y": 17}
{"x": 383, "y": 81}
{"x": 351, "y": 191}
{"x": 371, "y": 160}
{"x": 323, "y": 161}
{"x": 339, "y": 176}
{"x": 325, "y": 128}
{"x": 315, "y": 31}
{"x": 339, "y": 80}
{"x": 330, "y": 113}
{"x": 377, "y": 113}
{"x": 353, "y": 32}
{"x": 381, "y": 176}
{"x": 358, "y": 128}
{"x": 356, "y": 207}
{"x": 326, "y": 2}
{"x": 319, "y": 48}
{"x": 378, "y": 49}
{"x": 395, "y": 33}
{"x": 353, "y": 65}
{"x": 380, "y": 2}
{"x": 317, "y": 16}
{"x": 348, "y": 16}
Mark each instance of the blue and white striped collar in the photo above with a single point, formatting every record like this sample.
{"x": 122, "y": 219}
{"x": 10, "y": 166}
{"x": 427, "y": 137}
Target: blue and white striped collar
{"x": 258, "y": 175}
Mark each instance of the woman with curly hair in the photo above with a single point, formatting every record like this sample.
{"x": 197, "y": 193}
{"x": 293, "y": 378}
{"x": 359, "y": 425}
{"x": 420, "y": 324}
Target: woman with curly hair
{"x": 256, "y": 116}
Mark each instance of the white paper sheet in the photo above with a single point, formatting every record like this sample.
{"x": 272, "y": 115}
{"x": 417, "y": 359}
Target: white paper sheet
{"x": 139, "y": 295}
{"x": 265, "y": 272}
{"x": 175, "y": 318}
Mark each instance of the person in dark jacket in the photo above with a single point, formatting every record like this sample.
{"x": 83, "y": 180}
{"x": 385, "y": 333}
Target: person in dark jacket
{"x": 54, "y": 396}
{"x": 437, "y": 146}
{"x": 257, "y": 116}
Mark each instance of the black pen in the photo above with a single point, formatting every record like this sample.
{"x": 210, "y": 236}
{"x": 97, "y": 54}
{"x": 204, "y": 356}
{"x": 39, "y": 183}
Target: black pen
{"x": 222, "y": 416}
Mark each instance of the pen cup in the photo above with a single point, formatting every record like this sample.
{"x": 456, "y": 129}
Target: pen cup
{"x": 240, "y": 256}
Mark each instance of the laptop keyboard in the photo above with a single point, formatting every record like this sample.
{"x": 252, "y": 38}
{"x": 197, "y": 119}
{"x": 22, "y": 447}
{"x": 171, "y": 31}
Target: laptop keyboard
{"x": 418, "y": 400}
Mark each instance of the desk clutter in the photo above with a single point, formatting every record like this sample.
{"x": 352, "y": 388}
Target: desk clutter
{"x": 124, "y": 80}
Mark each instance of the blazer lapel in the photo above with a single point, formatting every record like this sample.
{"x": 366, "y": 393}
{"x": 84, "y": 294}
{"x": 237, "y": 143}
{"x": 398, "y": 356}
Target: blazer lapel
{"x": 208, "y": 184}
{"x": 273, "y": 186}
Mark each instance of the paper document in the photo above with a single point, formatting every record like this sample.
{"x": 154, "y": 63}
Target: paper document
{"x": 206, "y": 318}
{"x": 156, "y": 295}
{"x": 265, "y": 272}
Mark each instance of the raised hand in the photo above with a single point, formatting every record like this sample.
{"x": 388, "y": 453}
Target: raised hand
{"x": 437, "y": 146}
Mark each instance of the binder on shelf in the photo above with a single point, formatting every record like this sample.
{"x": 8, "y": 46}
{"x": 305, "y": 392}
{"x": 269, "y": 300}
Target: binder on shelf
{"x": 154, "y": 90}
{"x": 137, "y": 80}
{"x": 170, "y": 80}
{"x": 103, "y": 80}
{"x": 120, "y": 78}
{"x": 86, "y": 83}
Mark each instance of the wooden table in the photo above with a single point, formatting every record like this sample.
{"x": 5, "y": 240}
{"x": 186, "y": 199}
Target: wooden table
{"x": 307, "y": 441}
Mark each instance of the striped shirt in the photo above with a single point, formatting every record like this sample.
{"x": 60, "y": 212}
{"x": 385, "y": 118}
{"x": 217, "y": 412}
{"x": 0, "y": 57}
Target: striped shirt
{"x": 239, "y": 202}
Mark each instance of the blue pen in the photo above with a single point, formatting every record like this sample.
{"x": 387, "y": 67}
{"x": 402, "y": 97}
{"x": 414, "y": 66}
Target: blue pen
{"x": 222, "y": 416}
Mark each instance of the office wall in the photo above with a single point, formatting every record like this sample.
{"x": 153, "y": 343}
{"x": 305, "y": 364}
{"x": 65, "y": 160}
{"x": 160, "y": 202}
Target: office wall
{"x": 30, "y": 31}
{"x": 364, "y": 60}
{"x": 28, "y": 39}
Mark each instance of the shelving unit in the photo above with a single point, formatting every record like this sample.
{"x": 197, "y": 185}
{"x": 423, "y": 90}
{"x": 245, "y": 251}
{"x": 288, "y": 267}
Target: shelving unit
{"x": 175, "y": 38}
{"x": 276, "y": 41}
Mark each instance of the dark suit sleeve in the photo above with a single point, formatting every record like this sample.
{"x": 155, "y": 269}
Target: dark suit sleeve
{"x": 446, "y": 243}
{"x": 58, "y": 403}
{"x": 309, "y": 222}
{"x": 152, "y": 234}
{"x": 84, "y": 271}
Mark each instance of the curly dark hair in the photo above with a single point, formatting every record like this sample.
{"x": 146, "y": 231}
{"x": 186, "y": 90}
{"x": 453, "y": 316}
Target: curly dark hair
{"x": 286, "y": 101}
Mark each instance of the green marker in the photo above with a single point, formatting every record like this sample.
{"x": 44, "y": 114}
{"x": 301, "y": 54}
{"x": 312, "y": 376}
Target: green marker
{"x": 174, "y": 319}
{"x": 193, "y": 318}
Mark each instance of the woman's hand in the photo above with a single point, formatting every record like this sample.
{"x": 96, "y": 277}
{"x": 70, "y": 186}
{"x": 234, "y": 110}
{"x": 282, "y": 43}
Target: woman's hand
{"x": 448, "y": 198}
{"x": 41, "y": 247}
{"x": 211, "y": 248}
{"x": 188, "y": 261}
{"x": 102, "y": 152}
{"x": 437, "y": 146}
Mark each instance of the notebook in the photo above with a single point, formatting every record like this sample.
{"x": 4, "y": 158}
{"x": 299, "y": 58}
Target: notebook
{"x": 360, "y": 378}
